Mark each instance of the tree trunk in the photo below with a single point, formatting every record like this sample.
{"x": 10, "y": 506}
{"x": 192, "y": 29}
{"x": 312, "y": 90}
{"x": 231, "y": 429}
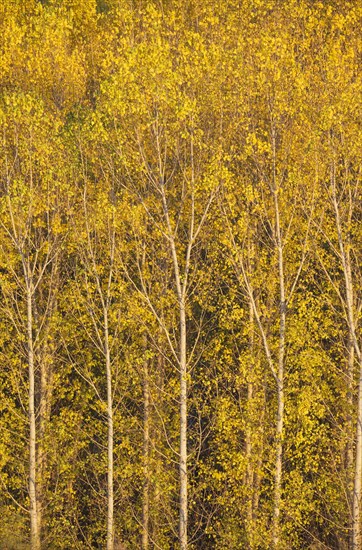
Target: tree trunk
{"x": 356, "y": 525}
{"x": 146, "y": 452}
{"x": 260, "y": 452}
{"x": 249, "y": 482}
{"x": 350, "y": 430}
{"x": 34, "y": 520}
{"x": 158, "y": 466}
{"x": 357, "y": 487}
{"x": 183, "y": 430}
{"x": 344, "y": 247}
{"x": 110, "y": 498}
{"x": 280, "y": 381}
{"x": 46, "y": 391}
{"x": 278, "y": 465}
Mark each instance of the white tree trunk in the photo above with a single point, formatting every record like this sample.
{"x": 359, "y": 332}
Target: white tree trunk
{"x": 278, "y": 466}
{"x": 356, "y": 522}
{"x": 110, "y": 497}
{"x": 183, "y": 430}
{"x": 34, "y": 520}
{"x": 249, "y": 475}
{"x": 350, "y": 430}
{"x": 280, "y": 381}
{"x": 344, "y": 248}
{"x": 146, "y": 452}
{"x": 181, "y": 286}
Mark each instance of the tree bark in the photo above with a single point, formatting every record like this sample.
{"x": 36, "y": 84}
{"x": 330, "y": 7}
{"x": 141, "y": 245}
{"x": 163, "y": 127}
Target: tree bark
{"x": 356, "y": 521}
{"x": 158, "y": 466}
{"x": 345, "y": 256}
{"x": 34, "y": 519}
{"x": 110, "y": 497}
{"x": 146, "y": 452}
{"x": 248, "y": 439}
{"x": 350, "y": 430}
{"x": 46, "y": 391}
{"x": 183, "y": 430}
{"x": 280, "y": 380}
{"x": 181, "y": 286}
{"x": 260, "y": 452}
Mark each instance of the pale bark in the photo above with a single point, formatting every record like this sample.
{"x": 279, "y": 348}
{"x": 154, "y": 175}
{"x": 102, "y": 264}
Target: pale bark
{"x": 158, "y": 467}
{"x": 101, "y": 326}
{"x": 356, "y": 521}
{"x": 110, "y": 440}
{"x": 345, "y": 256}
{"x": 183, "y": 430}
{"x": 249, "y": 482}
{"x": 181, "y": 270}
{"x": 350, "y": 429}
{"x": 260, "y": 453}
{"x": 280, "y": 379}
{"x": 181, "y": 286}
{"x": 146, "y": 453}
{"x": 249, "y": 468}
{"x": 357, "y": 485}
{"x": 45, "y": 359}
{"x": 34, "y": 520}
{"x": 46, "y": 390}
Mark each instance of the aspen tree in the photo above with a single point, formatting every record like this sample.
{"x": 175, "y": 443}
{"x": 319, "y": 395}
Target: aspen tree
{"x": 343, "y": 190}
{"x": 173, "y": 181}
{"x": 96, "y": 290}
{"x": 270, "y": 197}
{"x": 341, "y": 166}
{"x": 178, "y": 349}
{"x": 32, "y": 236}
{"x": 146, "y": 458}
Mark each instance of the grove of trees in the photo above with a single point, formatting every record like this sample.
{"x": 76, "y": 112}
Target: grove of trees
{"x": 180, "y": 274}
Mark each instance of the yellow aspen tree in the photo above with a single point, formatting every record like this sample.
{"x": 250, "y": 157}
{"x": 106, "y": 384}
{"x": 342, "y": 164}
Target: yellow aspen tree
{"x": 340, "y": 166}
{"x": 95, "y": 287}
{"x": 270, "y": 192}
{"x": 32, "y": 237}
{"x": 166, "y": 140}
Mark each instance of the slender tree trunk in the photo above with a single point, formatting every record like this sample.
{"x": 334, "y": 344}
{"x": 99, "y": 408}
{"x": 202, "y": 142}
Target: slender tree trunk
{"x": 46, "y": 391}
{"x": 280, "y": 382}
{"x": 249, "y": 466}
{"x": 357, "y": 486}
{"x": 146, "y": 453}
{"x": 350, "y": 430}
{"x": 110, "y": 497}
{"x": 45, "y": 358}
{"x": 344, "y": 248}
{"x": 278, "y": 465}
{"x": 158, "y": 465}
{"x": 34, "y": 520}
{"x": 350, "y": 376}
{"x": 260, "y": 452}
{"x": 181, "y": 290}
{"x": 248, "y": 439}
{"x": 183, "y": 430}
{"x": 356, "y": 525}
